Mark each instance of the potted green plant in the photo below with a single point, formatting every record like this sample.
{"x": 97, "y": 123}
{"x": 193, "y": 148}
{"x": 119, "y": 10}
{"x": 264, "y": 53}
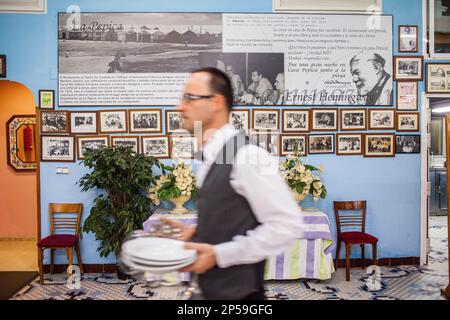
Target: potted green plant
{"x": 302, "y": 179}
{"x": 125, "y": 177}
{"x": 177, "y": 186}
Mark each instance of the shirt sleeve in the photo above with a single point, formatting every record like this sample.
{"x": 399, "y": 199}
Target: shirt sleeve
{"x": 255, "y": 176}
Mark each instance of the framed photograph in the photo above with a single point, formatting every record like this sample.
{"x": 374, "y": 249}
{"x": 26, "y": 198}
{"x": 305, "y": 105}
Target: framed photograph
{"x": 407, "y": 143}
{"x": 2, "y": 66}
{"x": 182, "y": 147}
{"x": 408, "y": 38}
{"x": 240, "y": 119}
{"x": 126, "y": 141}
{"x": 295, "y": 120}
{"x": 58, "y": 148}
{"x": 407, "y": 93}
{"x": 349, "y": 144}
{"x": 83, "y": 122}
{"x": 269, "y": 142}
{"x": 353, "y": 119}
{"x": 438, "y": 77}
{"x": 320, "y": 143}
{"x": 408, "y": 68}
{"x": 46, "y": 99}
{"x": 381, "y": 119}
{"x": 156, "y": 146}
{"x": 145, "y": 120}
{"x": 112, "y": 121}
{"x": 324, "y": 119}
{"x": 292, "y": 143}
{"x": 174, "y": 122}
{"x": 407, "y": 121}
{"x": 54, "y": 122}
{"x": 90, "y": 143}
{"x": 266, "y": 119}
{"x": 379, "y": 145}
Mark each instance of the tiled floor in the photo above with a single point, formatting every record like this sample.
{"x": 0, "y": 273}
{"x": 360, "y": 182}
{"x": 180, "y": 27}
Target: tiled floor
{"x": 404, "y": 282}
{"x": 18, "y": 256}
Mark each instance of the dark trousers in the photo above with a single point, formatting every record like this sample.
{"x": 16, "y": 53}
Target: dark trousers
{"x": 258, "y": 295}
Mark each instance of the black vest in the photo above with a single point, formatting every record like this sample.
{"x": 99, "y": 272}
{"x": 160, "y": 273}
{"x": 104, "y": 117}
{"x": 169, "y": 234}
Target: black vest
{"x": 223, "y": 214}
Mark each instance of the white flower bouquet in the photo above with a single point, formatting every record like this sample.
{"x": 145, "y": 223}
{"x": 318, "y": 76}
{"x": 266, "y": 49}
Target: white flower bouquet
{"x": 302, "y": 178}
{"x": 179, "y": 181}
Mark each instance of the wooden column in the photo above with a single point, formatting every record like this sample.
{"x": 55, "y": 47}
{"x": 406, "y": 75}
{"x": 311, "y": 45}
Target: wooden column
{"x": 446, "y": 291}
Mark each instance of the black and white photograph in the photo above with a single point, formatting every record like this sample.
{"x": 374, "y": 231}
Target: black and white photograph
{"x": 353, "y": 119}
{"x": 126, "y": 141}
{"x": 407, "y": 38}
{"x": 407, "y": 121}
{"x": 145, "y": 120}
{"x": 408, "y": 68}
{"x": 379, "y": 145}
{"x": 183, "y": 147}
{"x": 174, "y": 122}
{"x": 54, "y": 122}
{"x": 381, "y": 119}
{"x": 58, "y": 148}
{"x": 90, "y": 143}
{"x": 266, "y": 119}
{"x": 293, "y": 144}
{"x": 438, "y": 77}
{"x": 113, "y": 121}
{"x": 269, "y": 142}
{"x": 407, "y": 143}
{"x": 136, "y": 42}
{"x": 156, "y": 146}
{"x": 320, "y": 143}
{"x": 295, "y": 120}
{"x": 83, "y": 122}
{"x": 324, "y": 119}
{"x": 349, "y": 144}
{"x": 240, "y": 119}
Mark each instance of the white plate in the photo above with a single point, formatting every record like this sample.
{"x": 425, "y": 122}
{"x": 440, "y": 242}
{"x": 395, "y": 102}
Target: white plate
{"x": 156, "y": 269}
{"x": 157, "y": 249}
{"x": 138, "y": 260}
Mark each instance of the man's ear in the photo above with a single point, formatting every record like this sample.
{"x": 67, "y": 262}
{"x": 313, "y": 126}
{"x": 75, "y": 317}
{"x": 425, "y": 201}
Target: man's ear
{"x": 219, "y": 102}
{"x": 378, "y": 68}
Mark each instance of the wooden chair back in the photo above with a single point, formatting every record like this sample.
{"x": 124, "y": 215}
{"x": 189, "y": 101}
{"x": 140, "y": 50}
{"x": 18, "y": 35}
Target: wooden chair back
{"x": 65, "y": 217}
{"x": 350, "y": 215}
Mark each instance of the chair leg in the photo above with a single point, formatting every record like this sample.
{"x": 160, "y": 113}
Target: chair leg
{"x": 348, "y": 249}
{"x": 363, "y": 258}
{"x": 41, "y": 269}
{"x": 338, "y": 251}
{"x": 52, "y": 259}
{"x": 80, "y": 263}
{"x": 69, "y": 256}
{"x": 374, "y": 252}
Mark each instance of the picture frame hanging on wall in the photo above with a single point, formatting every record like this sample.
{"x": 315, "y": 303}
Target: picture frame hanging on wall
{"x": 407, "y": 121}
{"x": 381, "y": 119}
{"x": 2, "y": 66}
{"x": 408, "y": 38}
{"x": 407, "y": 95}
{"x": 321, "y": 143}
{"x": 405, "y": 143}
{"x": 349, "y": 144}
{"x": 324, "y": 119}
{"x": 145, "y": 120}
{"x": 240, "y": 119}
{"x": 83, "y": 122}
{"x": 269, "y": 142}
{"x": 174, "y": 122}
{"x": 437, "y": 77}
{"x": 88, "y": 143}
{"x": 293, "y": 143}
{"x": 112, "y": 121}
{"x": 266, "y": 120}
{"x": 126, "y": 141}
{"x": 408, "y": 68}
{"x": 295, "y": 120}
{"x": 379, "y": 145}
{"x": 182, "y": 146}
{"x": 46, "y": 99}
{"x": 156, "y": 146}
{"x": 54, "y": 121}
{"x": 353, "y": 119}
{"x": 57, "y": 148}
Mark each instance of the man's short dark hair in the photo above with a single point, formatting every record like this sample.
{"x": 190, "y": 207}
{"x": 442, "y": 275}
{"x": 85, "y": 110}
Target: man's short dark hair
{"x": 219, "y": 84}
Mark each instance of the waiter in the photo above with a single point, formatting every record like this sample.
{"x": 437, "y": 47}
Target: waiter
{"x": 245, "y": 210}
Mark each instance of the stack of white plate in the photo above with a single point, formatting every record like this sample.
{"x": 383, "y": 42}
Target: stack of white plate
{"x": 156, "y": 255}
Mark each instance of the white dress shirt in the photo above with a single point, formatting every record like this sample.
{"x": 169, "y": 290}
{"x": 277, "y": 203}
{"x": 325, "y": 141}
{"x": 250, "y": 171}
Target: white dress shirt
{"x": 255, "y": 176}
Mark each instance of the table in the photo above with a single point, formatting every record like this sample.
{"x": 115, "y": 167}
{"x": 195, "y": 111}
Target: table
{"x": 307, "y": 258}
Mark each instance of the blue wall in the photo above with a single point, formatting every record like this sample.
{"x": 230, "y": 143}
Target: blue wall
{"x": 390, "y": 185}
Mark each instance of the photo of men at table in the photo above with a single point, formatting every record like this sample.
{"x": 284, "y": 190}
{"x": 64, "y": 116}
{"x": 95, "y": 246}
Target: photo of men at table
{"x": 256, "y": 78}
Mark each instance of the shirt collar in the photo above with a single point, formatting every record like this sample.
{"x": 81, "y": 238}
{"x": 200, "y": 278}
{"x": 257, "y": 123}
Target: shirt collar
{"x": 215, "y": 143}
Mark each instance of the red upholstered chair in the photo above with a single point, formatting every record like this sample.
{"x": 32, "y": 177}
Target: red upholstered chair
{"x": 351, "y": 225}
{"x": 64, "y": 225}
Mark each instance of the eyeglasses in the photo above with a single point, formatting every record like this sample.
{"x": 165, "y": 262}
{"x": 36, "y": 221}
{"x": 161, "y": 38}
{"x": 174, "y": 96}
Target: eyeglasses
{"x": 187, "y": 97}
